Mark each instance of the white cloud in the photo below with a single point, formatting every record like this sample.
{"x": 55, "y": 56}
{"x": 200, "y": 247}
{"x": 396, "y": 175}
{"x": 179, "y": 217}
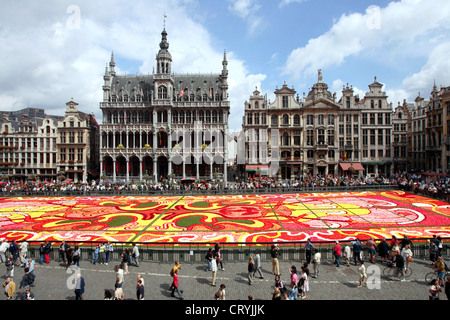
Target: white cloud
{"x": 247, "y": 10}
{"x": 379, "y": 31}
{"x": 284, "y": 3}
{"x": 45, "y": 63}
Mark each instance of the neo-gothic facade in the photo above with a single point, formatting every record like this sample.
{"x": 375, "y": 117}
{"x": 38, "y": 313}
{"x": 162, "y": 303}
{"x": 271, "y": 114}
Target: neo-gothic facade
{"x": 164, "y": 124}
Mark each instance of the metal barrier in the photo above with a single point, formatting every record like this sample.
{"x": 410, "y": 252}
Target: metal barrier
{"x": 173, "y": 192}
{"x": 195, "y": 252}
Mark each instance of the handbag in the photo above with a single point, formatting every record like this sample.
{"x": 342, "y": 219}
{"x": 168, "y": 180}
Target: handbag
{"x": 409, "y": 259}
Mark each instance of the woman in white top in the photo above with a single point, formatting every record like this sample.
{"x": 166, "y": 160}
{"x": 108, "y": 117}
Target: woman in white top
{"x": 304, "y": 283}
{"x": 407, "y": 254}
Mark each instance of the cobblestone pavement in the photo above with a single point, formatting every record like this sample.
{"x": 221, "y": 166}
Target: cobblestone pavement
{"x": 53, "y": 281}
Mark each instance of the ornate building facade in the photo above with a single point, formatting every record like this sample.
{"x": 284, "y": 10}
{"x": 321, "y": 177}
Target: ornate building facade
{"x": 164, "y": 124}
{"x": 77, "y": 145}
{"x": 318, "y": 134}
{"x": 28, "y": 148}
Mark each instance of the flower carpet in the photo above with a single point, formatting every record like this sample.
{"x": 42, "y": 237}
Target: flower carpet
{"x": 231, "y": 218}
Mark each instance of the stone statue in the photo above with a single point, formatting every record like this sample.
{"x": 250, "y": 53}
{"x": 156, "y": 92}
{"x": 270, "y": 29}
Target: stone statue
{"x": 320, "y": 75}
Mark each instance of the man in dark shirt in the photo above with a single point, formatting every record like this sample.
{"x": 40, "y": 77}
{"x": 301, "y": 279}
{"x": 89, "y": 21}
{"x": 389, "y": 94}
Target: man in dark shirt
{"x": 399, "y": 266}
{"x": 274, "y": 254}
{"x": 140, "y": 290}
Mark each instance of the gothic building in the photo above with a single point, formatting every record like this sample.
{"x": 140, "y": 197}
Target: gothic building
{"x": 164, "y": 124}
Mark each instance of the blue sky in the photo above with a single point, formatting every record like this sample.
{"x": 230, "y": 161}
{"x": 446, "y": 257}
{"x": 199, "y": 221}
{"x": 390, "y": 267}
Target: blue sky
{"x": 59, "y": 49}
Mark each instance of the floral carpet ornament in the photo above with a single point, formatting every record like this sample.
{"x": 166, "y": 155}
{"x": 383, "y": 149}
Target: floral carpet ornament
{"x": 228, "y": 218}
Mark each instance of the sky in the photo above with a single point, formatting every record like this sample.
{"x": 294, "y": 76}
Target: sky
{"x": 56, "y": 50}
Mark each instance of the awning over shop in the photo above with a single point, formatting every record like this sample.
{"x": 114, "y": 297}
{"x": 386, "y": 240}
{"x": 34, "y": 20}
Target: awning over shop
{"x": 356, "y": 165}
{"x": 255, "y": 167}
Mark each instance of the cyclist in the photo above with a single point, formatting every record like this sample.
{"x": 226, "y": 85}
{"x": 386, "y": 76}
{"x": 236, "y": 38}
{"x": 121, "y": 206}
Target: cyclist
{"x": 440, "y": 268}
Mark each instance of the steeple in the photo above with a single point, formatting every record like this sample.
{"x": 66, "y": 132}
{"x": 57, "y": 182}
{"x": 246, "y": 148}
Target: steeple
{"x": 225, "y": 65}
{"x": 164, "y": 58}
{"x": 112, "y": 65}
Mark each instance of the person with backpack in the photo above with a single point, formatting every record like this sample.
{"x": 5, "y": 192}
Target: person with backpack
{"x": 27, "y": 279}
{"x": 441, "y": 270}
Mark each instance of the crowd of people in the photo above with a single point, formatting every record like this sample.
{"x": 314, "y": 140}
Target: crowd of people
{"x": 436, "y": 186}
{"x": 394, "y": 252}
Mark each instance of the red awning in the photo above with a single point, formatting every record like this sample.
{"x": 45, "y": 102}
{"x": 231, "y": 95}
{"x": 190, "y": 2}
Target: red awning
{"x": 256, "y": 167}
{"x": 346, "y": 166}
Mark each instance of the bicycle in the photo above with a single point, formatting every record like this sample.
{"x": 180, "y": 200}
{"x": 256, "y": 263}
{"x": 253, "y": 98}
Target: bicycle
{"x": 434, "y": 275}
{"x": 389, "y": 271}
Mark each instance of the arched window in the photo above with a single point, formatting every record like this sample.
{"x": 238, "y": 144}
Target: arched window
{"x": 274, "y": 120}
{"x": 296, "y": 119}
{"x": 285, "y": 119}
{"x": 162, "y": 92}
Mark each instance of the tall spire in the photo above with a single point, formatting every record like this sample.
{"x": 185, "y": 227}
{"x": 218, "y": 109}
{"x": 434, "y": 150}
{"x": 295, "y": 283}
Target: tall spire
{"x": 112, "y": 64}
{"x": 225, "y": 64}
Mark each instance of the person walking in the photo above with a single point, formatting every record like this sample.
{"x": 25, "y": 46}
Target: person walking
{"x": 176, "y": 286}
{"x": 79, "y": 287}
{"x": 140, "y": 290}
{"x": 440, "y": 267}
{"x": 101, "y": 254}
{"x": 357, "y": 248}
{"x": 347, "y": 254}
{"x": 109, "y": 249}
{"x": 125, "y": 258}
{"x": 119, "y": 276}
{"x": 304, "y": 282}
{"x": 10, "y": 266}
{"x": 274, "y": 250}
{"x": 337, "y": 252}
{"x": 208, "y": 258}
{"x": 407, "y": 255}
{"x": 293, "y": 283}
{"x": 308, "y": 250}
{"x": 3, "y": 248}
{"x": 76, "y": 256}
{"x": 362, "y": 274}
{"x": 135, "y": 254}
{"x": 316, "y": 262}
{"x": 257, "y": 260}
{"x": 95, "y": 253}
{"x": 14, "y": 250}
{"x": 371, "y": 249}
{"x": 9, "y": 288}
{"x": 218, "y": 252}
{"x": 251, "y": 269}
{"x": 399, "y": 263}
{"x": 27, "y": 279}
{"x": 383, "y": 250}
{"x": 213, "y": 270}
{"x": 172, "y": 272}
{"x": 23, "y": 251}
{"x": 47, "y": 250}
{"x": 62, "y": 251}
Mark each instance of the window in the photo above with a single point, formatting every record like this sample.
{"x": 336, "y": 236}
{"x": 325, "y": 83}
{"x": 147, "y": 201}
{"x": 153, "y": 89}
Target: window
{"x": 80, "y": 155}
{"x": 372, "y": 137}
{"x": 310, "y": 119}
{"x": 296, "y": 119}
{"x": 162, "y": 92}
{"x": 80, "y": 137}
{"x": 274, "y": 120}
{"x": 365, "y": 140}
{"x": 285, "y": 101}
{"x": 348, "y": 102}
{"x": 285, "y": 119}
{"x": 309, "y": 137}
{"x": 320, "y": 119}
{"x": 330, "y": 120}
